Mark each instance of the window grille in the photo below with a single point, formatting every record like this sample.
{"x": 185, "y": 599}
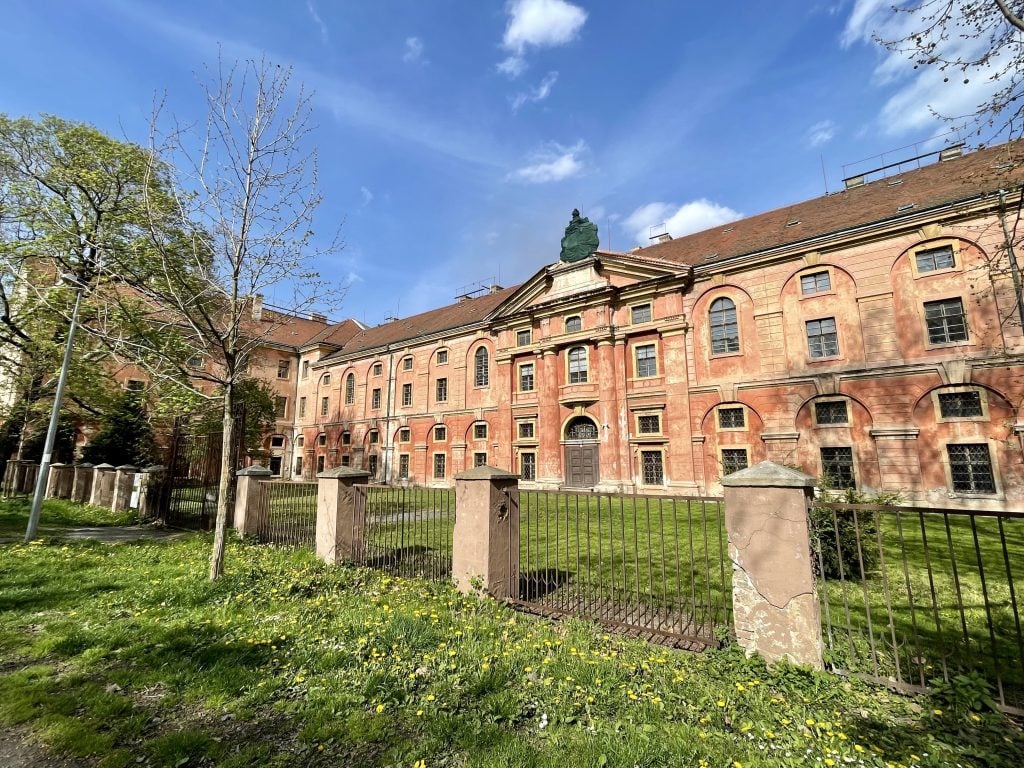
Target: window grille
{"x": 725, "y": 334}
{"x": 932, "y": 259}
{"x": 439, "y": 468}
{"x": 404, "y": 435}
{"x": 528, "y": 466}
{"x": 481, "y": 368}
{"x": 653, "y": 468}
{"x": 649, "y": 424}
{"x": 831, "y": 412}
{"x": 731, "y": 418}
{"x": 953, "y": 405}
{"x": 970, "y": 467}
{"x": 816, "y": 282}
{"x": 577, "y": 365}
{"x": 581, "y": 429}
{"x": 822, "y": 340}
{"x": 479, "y": 459}
{"x": 946, "y": 321}
{"x": 646, "y": 362}
{"x": 403, "y": 466}
{"x": 479, "y": 431}
{"x": 526, "y": 430}
{"x": 733, "y": 460}
{"x": 526, "y": 377}
{"x": 837, "y": 468}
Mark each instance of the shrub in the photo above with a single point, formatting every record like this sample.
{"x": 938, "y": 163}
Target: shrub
{"x": 835, "y": 534}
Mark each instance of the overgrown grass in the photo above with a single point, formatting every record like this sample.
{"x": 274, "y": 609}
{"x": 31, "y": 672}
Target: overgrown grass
{"x": 124, "y": 652}
{"x": 14, "y": 514}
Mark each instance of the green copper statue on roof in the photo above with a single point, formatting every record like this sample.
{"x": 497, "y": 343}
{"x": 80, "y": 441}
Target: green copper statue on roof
{"x": 580, "y": 239}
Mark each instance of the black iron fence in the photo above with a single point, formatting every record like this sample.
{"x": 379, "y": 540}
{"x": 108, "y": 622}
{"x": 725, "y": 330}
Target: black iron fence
{"x": 287, "y": 513}
{"x": 406, "y": 531}
{"x": 913, "y": 596}
{"x": 656, "y": 565}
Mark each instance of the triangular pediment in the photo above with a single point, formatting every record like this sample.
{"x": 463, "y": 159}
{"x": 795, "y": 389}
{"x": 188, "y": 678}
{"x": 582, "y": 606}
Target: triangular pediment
{"x": 561, "y": 282}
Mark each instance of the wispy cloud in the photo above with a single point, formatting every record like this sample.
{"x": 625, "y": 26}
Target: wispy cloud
{"x": 367, "y": 195}
{"x": 315, "y": 15}
{"x": 413, "y": 51}
{"x": 694, "y": 216}
{"x": 537, "y": 24}
{"x": 553, "y": 163}
{"x": 821, "y": 133}
{"x": 533, "y": 95}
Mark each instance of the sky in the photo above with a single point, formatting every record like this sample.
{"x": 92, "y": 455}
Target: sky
{"x": 455, "y": 137}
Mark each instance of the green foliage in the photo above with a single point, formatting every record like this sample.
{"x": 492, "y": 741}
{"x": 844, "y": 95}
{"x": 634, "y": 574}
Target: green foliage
{"x": 257, "y": 399}
{"x": 63, "y": 446}
{"x": 846, "y": 541}
{"x": 125, "y": 435}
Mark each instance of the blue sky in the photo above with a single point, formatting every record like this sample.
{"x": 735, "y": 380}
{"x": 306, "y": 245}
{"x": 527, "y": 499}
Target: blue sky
{"x": 456, "y": 136}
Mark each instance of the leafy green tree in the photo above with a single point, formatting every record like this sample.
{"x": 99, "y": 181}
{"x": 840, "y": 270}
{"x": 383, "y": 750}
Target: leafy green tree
{"x": 125, "y": 434}
{"x": 257, "y": 399}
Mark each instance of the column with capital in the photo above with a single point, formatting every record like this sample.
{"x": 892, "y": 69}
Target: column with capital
{"x": 614, "y": 432}
{"x": 549, "y": 426}
{"x": 679, "y": 463}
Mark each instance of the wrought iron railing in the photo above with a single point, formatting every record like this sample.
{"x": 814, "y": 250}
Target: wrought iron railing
{"x": 913, "y": 596}
{"x": 406, "y": 531}
{"x": 655, "y": 564}
{"x": 287, "y": 513}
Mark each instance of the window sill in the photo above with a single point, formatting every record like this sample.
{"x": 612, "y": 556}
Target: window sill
{"x": 826, "y": 359}
{"x": 949, "y": 344}
{"x": 720, "y": 355}
{"x": 822, "y": 294}
{"x": 934, "y": 272}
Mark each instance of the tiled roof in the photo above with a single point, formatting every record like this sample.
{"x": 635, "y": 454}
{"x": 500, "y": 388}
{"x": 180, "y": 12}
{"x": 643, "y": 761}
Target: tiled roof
{"x": 427, "y": 323}
{"x": 337, "y": 334}
{"x": 288, "y": 330}
{"x": 931, "y": 186}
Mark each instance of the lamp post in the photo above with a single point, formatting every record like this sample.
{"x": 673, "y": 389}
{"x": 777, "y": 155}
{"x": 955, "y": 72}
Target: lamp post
{"x": 51, "y": 433}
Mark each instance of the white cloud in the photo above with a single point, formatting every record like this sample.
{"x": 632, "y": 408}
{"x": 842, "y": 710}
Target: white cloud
{"x": 538, "y": 24}
{"x": 554, "y": 163}
{"x": 923, "y": 93}
{"x": 413, "y": 50}
{"x": 694, "y": 216}
{"x": 821, "y": 133}
{"x": 533, "y": 95}
{"x": 313, "y": 14}
{"x": 367, "y": 195}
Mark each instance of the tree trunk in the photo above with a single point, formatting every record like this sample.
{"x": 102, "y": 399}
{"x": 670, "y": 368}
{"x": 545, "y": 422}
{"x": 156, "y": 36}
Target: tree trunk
{"x": 227, "y": 480}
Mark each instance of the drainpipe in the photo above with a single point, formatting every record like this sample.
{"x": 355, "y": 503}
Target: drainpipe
{"x": 388, "y": 442}
{"x": 1012, "y": 256}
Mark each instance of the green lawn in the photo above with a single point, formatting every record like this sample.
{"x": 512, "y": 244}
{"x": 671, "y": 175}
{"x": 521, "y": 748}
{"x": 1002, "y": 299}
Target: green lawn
{"x": 948, "y": 581}
{"x": 57, "y": 512}
{"x": 125, "y": 654}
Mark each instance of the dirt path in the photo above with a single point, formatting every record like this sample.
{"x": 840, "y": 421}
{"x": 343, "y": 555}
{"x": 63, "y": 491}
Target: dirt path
{"x": 110, "y": 534}
{"x": 16, "y": 751}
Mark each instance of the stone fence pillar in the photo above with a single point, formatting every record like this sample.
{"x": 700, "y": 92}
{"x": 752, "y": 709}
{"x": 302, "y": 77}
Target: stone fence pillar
{"x": 150, "y": 485}
{"x": 485, "y": 546}
{"x": 775, "y": 600}
{"x": 25, "y": 477}
{"x": 102, "y": 485}
{"x": 81, "y": 486}
{"x": 124, "y": 482}
{"x": 339, "y": 518}
{"x": 56, "y": 481}
{"x": 247, "y": 512}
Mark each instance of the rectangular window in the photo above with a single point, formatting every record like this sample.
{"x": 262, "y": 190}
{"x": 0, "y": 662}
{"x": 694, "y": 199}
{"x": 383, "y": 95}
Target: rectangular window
{"x": 374, "y": 437}
{"x": 731, "y": 418}
{"x": 970, "y": 468}
{"x": 442, "y": 356}
{"x": 526, "y": 377}
{"x": 641, "y": 313}
{"x": 346, "y": 438}
{"x": 407, "y": 363}
{"x": 277, "y": 441}
{"x": 653, "y": 468}
{"x": 403, "y": 466}
{"x": 837, "y": 468}
{"x": 302, "y": 407}
{"x": 528, "y": 466}
{"x": 406, "y": 395}
{"x": 932, "y": 259}
{"x": 440, "y": 434}
{"x": 375, "y": 398}
{"x": 960, "y": 405}
{"x": 305, "y": 370}
{"x": 946, "y": 321}
{"x": 526, "y": 430}
{"x": 646, "y": 363}
{"x": 325, "y": 405}
{"x": 649, "y": 424}
{"x": 298, "y": 466}
{"x": 404, "y": 435}
{"x": 280, "y": 407}
{"x": 573, "y": 324}
{"x": 377, "y": 368}
{"x": 577, "y": 365}
{"x": 321, "y": 439}
{"x": 320, "y": 464}
{"x": 284, "y": 367}
{"x": 816, "y": 282}
{"x": 346, "y": 460}
{"x": 479, "y": 459}
{"x": 439, "y": 468}
{"x": 441, "y": 390}
{"x": 831, "y": 412}
{"x": 479, "y": 431}
{"x": 733, "y": 460}
{"x": 523, "y": 338}
{"x": 299, "y": 441}
{"x": 325, "y": 380}
{"x": 822, "y": 340}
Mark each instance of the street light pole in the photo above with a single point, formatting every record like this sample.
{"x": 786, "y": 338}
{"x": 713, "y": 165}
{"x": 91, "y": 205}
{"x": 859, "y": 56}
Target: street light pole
{"x": 51, "y": 433}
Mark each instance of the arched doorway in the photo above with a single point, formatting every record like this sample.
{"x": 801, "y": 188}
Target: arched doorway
{"x": 581, "y": 453}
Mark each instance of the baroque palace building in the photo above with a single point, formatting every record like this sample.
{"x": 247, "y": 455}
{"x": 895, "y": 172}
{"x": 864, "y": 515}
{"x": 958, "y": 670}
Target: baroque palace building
{"x": 872, "y": 337}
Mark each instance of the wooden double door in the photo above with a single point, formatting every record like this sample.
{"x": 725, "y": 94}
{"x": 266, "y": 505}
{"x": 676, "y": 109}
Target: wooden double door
{"x": 581, "y": 465}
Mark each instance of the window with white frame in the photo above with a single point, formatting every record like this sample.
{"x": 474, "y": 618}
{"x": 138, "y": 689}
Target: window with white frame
{"x": 403, "y": 466}
{"x": 407, "y": 363}
{"x": 440, "y": 434}
{"x": 406, "y": 395}
{"x": 526, "y": 430}
{"x": 441, "y": 390}
{"x": 321, "y": 439}
{"x": 526, "y": 380}
{"x": 945, "y": 321}
{"x": 481, "y": 368}
{"x": 350, "y": 389}
{"x": 725, "y": 334}
{"x": 932, "y": 259}
{"x": 577, "y": 365}
{"x": 442, "y": 356}
{"x": 375, "y": 398}
{"x": 377, "y": 369}
{"x": 305, "y": 369}
{"x": 302, "y": 407}
{"x": 641, "y": 313}
{"x": 346, "y": 438}
{"x": 815, "y": 282}
{"x": 404, "y": 435}
{"x": 284, "y": 369}
{"x": 325, "y": 380}
{"x": 325, "y": 405}
{"x": 646, "y": 361}
{"x": 374, "y": 437}
{"x": 822, "y": 339}
{"x": 479, "y": 459}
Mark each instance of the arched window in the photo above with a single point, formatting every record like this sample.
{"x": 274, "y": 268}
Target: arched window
{"x": 581, "y": 428}
{"x": 725, "y": 333}
{"x": 481, "y": 368}
{"x": 577, "y": 365}
{"x": 350, "y": 389}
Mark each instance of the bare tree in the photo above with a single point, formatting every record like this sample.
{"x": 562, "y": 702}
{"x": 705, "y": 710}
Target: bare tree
{"x": 245, "y": 188}
{"x": 970, "y": 39}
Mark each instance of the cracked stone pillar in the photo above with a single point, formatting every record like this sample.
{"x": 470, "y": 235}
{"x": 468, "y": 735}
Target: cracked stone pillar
{"x": 775, "y": 602}
{"x": 340, "y": 515}
{"x": 248, "y": 515}
{"x": 485, "y": 543}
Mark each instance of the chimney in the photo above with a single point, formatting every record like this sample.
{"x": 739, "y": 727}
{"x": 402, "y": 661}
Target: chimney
{"x": 494, "y": 288}
{"x": 318, "y": 317}
{"x": 257, "y": 307}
